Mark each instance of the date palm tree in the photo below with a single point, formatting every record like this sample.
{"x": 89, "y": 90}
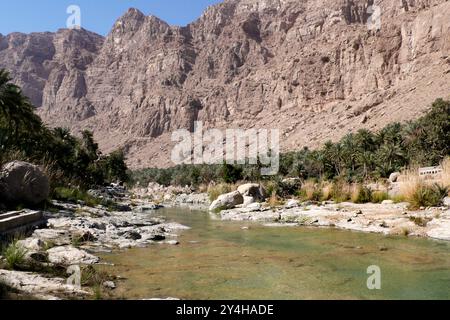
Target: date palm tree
{"x": 16, "y": 110}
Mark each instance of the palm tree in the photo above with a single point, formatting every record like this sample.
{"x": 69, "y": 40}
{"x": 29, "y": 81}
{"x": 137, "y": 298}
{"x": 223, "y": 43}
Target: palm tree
{"x": 366, "y": 159}
{"x": 390, "y": 157}
{"x": 16, "y": 109}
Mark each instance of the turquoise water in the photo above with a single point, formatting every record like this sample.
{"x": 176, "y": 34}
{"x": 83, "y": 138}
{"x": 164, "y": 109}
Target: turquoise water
{"x": 220, "y": 260}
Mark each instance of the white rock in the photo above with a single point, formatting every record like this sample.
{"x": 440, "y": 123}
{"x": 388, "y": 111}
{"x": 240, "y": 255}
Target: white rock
{"x": 253, "y": 207}
{"x": 109, "y": 285}
{"x": 227, "y": 201}
{"x": 446, "y": 201}
{"x": 68, "y": 255}
{"x": 39, "y": 286}
{"x": 439, "y": 230}
{"x": 387, "y": 202}
{"x": 31, "y": 244}
{"x": 253, "y": 190}
{"x": 292, "y": 203}
{"x": 247, "y": 201}
{"x": 394, "y": 176}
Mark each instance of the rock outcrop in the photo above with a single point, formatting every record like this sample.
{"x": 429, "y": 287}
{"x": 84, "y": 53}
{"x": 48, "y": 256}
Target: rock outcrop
{"x": 23, "y": 183}
{"x": 313, "y": 69}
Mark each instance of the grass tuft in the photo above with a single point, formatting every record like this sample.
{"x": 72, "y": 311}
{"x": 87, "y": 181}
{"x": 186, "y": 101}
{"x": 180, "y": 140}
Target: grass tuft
{"x": 361, "y": 194}
{"x": 14, "y": 255}
{"x": 426, "y": 196}
{"x": 214, "y": 191}
{"x": 74, "y": 195}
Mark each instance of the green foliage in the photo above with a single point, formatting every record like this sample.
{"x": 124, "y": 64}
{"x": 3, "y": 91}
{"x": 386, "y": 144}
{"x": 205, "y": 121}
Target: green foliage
{"x": 69, "y": 159}
{"x": 75, "y": 195}
{"x": 339, "y": 192}
{"x": 288, "y": 187}
{"x": 231, "y": 173}
{"x": 427, "y": 196}
{"x": 379, "y": 196}
{"x": 14, "y": 255}
{"x": 271, "y": 187}
{"x": 363, "y": 195}
{"x": 428, "y": 138}
{"x": 94, "y": 278}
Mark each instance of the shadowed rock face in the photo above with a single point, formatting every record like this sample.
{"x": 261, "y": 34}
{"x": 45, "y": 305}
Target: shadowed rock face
{"x": 23, "y": 183}
{"x": 310, "y": 68}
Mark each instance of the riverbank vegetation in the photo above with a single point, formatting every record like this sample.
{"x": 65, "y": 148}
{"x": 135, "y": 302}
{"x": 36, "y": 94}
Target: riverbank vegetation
{"x": 413, "y": 189}
{"x": 339, "y": 171}
{"x": 67, "y": 159}
{"x": 358, "y": 157}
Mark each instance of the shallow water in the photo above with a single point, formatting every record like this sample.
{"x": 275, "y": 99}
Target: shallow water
{"x": 220, "y": 260}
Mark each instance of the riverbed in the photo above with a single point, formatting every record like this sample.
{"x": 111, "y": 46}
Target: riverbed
{"x": 240, "y": 260}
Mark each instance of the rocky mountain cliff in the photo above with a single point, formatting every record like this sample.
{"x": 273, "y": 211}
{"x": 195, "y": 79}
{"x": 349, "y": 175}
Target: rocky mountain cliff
{"x": 312, "y": 68}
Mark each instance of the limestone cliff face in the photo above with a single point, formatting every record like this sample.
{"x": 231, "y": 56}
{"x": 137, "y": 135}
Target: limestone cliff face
{"x": 312, "y": 68}
{"x": 50, "y": 67}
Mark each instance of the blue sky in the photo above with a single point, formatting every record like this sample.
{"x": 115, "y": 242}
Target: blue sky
{"x": 96, "y": 15}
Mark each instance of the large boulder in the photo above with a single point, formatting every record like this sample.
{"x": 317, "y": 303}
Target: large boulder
{"x": 22, "y": 182}
{"x": 253, "y": 190}
{"x": 227, "y": 201}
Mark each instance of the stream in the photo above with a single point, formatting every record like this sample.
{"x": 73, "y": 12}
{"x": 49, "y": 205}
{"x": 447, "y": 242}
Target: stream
{"x": 241, "y": 260}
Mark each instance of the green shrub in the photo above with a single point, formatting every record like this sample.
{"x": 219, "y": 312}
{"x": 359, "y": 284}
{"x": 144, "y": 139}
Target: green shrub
{"x": 379, "y": 196}
{"x": 398, "y": 198}
{"x": 74, "y": 195}
{"x": 271, "y": 186}
{"x": 340, "y": 192}
{"x": 289, "y": 187}
{"x": 362, "y": 195}
{"x": 427, "y": 196}
{"x": 15, "y": 256}
{"x": 311, "y": 191}
{"x": 94, "y": 277}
